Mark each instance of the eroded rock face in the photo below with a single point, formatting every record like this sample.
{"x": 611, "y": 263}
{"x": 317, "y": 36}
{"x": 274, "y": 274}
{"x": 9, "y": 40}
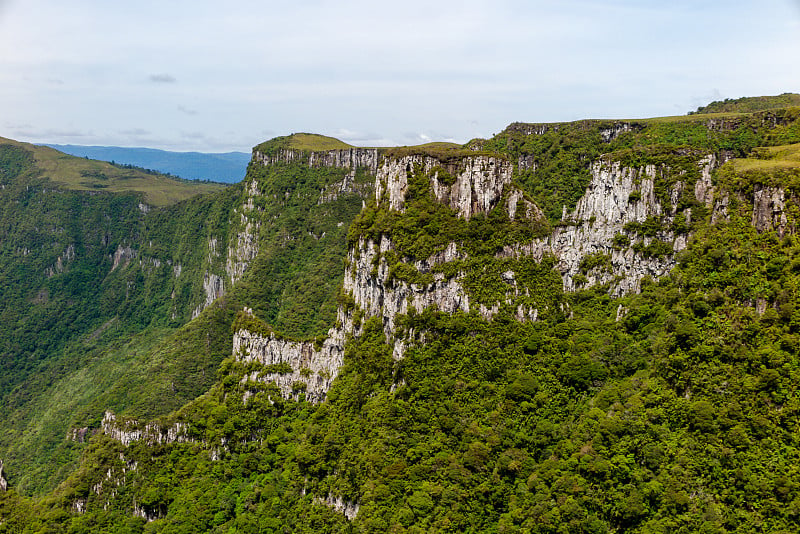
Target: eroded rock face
{"x": 314, "y": 368}
{"x": 214, "y": 286}
{"x": 347, "y": 508}
{"x": 616, "y": 196}
{"x": 122, "y": 256}
{"x": 128, "y": 431}
{"x": 601, "y": 214}
{"x": 347, "y": 158}
{"x": 476, "y": 184}
{"x": 3, "y": 482}
{"x": 244, "y": 248}
{"x": 367, "y": 280}
{"x": 769, "y": 208}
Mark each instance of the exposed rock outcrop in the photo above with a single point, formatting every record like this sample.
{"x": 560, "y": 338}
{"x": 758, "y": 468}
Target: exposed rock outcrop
{"x": 214, "y": 286}
{"x": 312, "y": 369}
{"x": 3, "y": 482}
{"x": 60, "y": 265}
{"x": 367, "y": 279}
{"x": 609, "y": 134}
{"x": 245, "y": 247}
{"x": 615, "y": 197}
{"x": 769, "y": 209}
{"x": 349, "y": 158}
{"x": 122, "y": 256}
{"x": 474, "y": 185}
{"x": 347, "y": 508}
{"x": 127, "y": 431}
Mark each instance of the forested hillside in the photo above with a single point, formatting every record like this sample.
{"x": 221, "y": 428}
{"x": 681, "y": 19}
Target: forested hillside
{"x": 573, "y": 327}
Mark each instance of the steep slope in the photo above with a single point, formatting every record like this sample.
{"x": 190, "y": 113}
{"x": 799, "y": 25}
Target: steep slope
{"x": 96, "y": 311}
{"x": 608, "y": 347}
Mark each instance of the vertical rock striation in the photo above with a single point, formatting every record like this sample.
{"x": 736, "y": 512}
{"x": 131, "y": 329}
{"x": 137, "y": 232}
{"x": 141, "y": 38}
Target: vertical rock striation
{"x": 769, "y": 209}
{"x": 349, "y": 158}
{"x": 473, "y": 185}
{"x": 3, "y": 482}
{"x": 312, "y": 368}
{"x": 127, "y": 431}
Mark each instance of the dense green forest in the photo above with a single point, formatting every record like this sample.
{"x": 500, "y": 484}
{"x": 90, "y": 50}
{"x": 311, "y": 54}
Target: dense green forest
{"x": 669, "y": 408}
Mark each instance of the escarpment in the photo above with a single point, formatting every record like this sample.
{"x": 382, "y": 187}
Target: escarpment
{"x": 350, "y": 158}
{"x": 473, "y": 185}
{"x": 626, "y": 226}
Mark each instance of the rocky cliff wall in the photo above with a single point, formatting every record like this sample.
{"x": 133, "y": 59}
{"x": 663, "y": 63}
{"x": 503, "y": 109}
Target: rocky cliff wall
{"x": 3, "y": 482}
{"x": 349, "y": 158}
{"x": 473, "y": 185}
{"x": 128, "y": 431}
{"x": 367, "y": 280}
{"x": 616, "y": 197}
{"x": 769, "y": 209}
{"x": 244, "y": 247}
{"x": 313, "y": 367}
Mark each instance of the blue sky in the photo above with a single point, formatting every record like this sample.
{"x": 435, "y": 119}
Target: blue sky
{"x": 193, "y": 75}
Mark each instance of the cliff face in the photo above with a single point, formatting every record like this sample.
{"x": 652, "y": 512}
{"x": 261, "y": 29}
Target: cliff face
{"x": 769, "y": 209}
{"x": 473, "y": 185}
{"x": 3, "y": 483}
{"x": 616, "y": 198}
{"x": 312, "y": 368}
{"x": 127, "y": 431}
{"x": 351, "y": 158}
{"x": 601, "y": 241}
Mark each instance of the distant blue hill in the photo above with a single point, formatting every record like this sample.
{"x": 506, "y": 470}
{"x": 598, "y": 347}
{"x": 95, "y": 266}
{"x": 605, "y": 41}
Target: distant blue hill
{"x": 227, "y": 167}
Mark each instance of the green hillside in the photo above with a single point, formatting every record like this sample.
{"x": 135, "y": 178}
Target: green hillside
{"x": 79, "y": 174}
{"x": 302, "y": 141}
{"x": 512, "y": 390}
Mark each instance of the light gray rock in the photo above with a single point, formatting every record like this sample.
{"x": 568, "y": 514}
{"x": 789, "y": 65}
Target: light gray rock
{"x": 769, "y": 209}
{"x": 122, "y": 256}
{"x": 244, "y": 248}
{"x": 479, "y": 183}
{"x": 127, "y": 431}
{"x": 214, "y": 287}
{"x": 601, "y": 214}
{"x": 3, "y": 482}
{"x": 347, "y": 508}
{"x": 345, "y": 158}
{"x": 314, "y": 368}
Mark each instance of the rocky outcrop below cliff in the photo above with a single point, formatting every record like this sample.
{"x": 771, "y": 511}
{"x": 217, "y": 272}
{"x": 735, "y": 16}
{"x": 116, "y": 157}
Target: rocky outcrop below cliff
{"x": 60, "y": 265}
{"x": 347, "y": 508}
{"x": 3, "y": 482}
{"x": 295, "y": 367}
{"x": 127, "y": 431}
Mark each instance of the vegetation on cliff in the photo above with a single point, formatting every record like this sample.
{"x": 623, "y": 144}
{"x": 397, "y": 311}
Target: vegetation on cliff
{"x": 671, "y": 409}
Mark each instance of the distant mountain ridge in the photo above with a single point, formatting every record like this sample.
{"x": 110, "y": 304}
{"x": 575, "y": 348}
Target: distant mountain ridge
{"x": 228, "y": 167}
